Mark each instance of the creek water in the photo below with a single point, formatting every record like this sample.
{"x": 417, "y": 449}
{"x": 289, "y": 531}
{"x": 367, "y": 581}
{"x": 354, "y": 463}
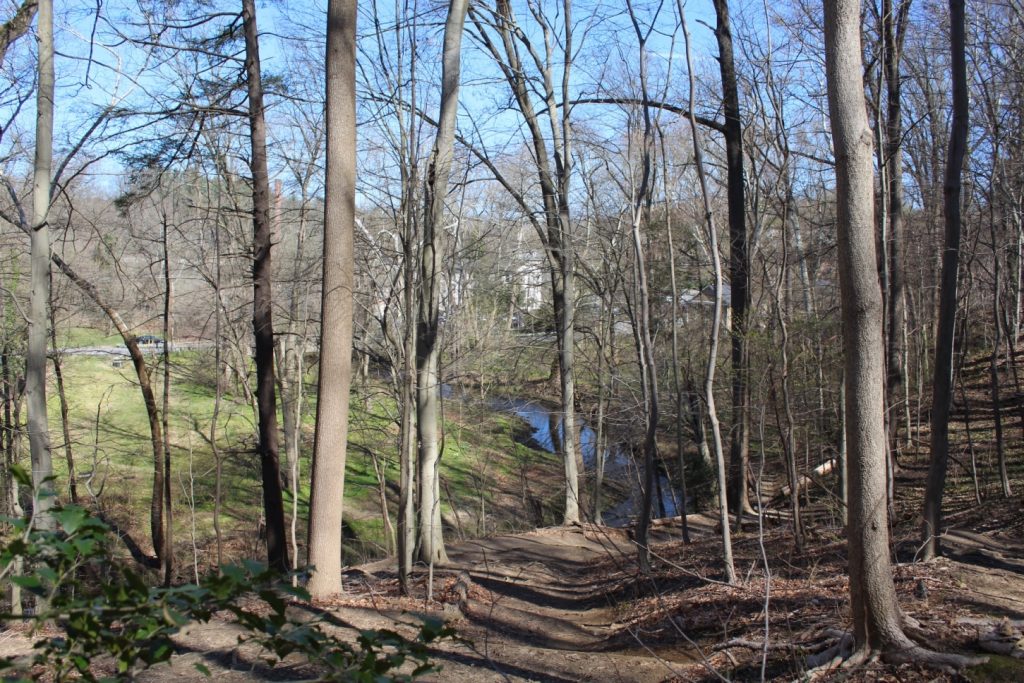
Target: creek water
{"x": 621, "y": 469}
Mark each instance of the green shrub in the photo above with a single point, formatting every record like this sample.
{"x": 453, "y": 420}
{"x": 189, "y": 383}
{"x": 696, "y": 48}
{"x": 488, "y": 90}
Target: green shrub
{"x": 104, "y": 608}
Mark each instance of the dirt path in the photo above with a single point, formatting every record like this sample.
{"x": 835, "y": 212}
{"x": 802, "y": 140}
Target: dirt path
{"x": 529, "y": 607}
{"x": 535, "y": 609}
{"x": 568, "y": 605}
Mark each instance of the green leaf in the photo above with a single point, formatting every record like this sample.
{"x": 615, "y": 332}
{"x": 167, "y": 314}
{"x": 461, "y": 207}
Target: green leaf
{"x": 70, "y": 517}
{"x": 202, "y": 668}
{"x": 21, "y": 475}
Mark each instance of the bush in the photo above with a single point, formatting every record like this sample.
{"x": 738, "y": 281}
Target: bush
{"x": 105, "y": 609}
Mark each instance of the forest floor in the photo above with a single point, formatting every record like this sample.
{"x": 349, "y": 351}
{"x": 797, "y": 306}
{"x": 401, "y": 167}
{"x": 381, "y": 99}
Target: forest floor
{"x": 568, "y": 604}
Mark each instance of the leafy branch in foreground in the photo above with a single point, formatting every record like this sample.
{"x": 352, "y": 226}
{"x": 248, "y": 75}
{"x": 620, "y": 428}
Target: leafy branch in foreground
{"x": 106, "y": 613}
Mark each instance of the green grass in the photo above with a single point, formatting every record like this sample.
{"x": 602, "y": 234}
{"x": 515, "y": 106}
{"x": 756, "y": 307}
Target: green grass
{"x": 110, "y": 440}
{"x": 74, "y": 337}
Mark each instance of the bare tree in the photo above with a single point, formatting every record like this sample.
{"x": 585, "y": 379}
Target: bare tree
{"x": 329, "y": 450}
{"x": 739, "y": 266}
{"x": 263, "y": 323}
{"x": 554, "y": 170}
{"x": 942, "y": 379}
{"x": 877, "y": 619}
{"x": 428, "y": 351}
{"x": 716, "y": 322}
{"x": 39, "y": 315}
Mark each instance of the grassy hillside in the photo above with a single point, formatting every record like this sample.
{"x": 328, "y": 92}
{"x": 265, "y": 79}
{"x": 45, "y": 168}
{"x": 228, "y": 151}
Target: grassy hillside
{"x": 488, "y": 475}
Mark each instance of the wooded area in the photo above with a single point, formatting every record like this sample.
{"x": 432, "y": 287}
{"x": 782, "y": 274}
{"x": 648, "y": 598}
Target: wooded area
{"x": 407, "y": 299}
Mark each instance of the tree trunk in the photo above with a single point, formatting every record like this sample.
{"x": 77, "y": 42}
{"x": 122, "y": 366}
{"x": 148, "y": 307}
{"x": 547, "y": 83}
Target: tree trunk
{"x": 893, "y": 31}
{"x": 18, "y": 25}
{"x": 58, "y": 374}
{"x": 716, "y": 323}
{"x": 739, "y": 267}
{"x": 677, "y": 386}
{"x": 876, "y": 615}
{"x": 428, "y": 352}
{"x": 645, "y": 344}
{"x": 329, "y": 449}
{"x": 942, "y": 379}
{"x": 167, "y": 552}
{"x": 262, "y": 319}
{"x": 35, "y": 357}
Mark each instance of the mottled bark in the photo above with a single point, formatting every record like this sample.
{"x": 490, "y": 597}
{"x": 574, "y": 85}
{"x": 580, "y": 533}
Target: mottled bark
{"x": 39, "y": 315}
{"x": 330, "y": 442}
{"x": 428, "y": 352}
{"x": 876, "y": 615}
{"x": 17, "y": 26}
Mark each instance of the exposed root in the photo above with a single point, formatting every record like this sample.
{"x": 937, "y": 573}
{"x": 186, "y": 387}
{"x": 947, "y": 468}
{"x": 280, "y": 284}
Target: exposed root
{"x": 830, "y": 659}
{"x": 944, "y": 661}
{"x": 842, "y": 655}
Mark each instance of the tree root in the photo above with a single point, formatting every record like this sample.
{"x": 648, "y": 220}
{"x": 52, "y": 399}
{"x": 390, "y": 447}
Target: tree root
{"x": 842, "y": 655}
{"x": 830, "y": 659}
{"x": 944, "y": 661}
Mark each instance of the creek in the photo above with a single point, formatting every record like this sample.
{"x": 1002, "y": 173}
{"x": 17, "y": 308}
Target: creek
{"x": 621, "y": 469}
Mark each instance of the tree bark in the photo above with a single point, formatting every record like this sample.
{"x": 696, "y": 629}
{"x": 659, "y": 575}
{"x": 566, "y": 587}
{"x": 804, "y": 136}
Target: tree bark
{"x": 942, "y": 379}
{"x": 876, "y": 615}
{"x": 330, "y": 442}
{"x": 709, "y": 377}
{"x": 739, "y": 267}
{"x": 18, "y": 25}
{"x": 428, "y": 351}
{"x": 39, "y": 315}
{"x": 167, "y": 552}
{"x": 262, "y": 319}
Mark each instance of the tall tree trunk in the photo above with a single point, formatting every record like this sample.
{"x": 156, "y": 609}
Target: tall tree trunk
{"x": 942, "y": 379}
{"x": 428, "y": 351}
{"x": 407, "y": 441}
{"x": 329, "y": 449}
{"x": 218, "y": 395}
{"x": 876, "y": 614}
{"x": 167, "y": 552}
{"x": 39, "y": 315}
{"x": 894, "y": 19}
{"x": 645, "y": 345}
{"x": 716, "y": 323}
{"x": 739, "y": 267}
{"x": 263, "y": 319}
{"x": 677, "y": 386}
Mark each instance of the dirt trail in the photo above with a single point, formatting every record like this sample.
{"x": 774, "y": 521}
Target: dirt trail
{"x": 536, "y": 607}
{"x": 529, "y": 607}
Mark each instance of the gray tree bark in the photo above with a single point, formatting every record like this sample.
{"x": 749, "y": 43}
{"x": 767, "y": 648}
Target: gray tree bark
{"x": 876, "y": 614}
{"x": 17, "y": 26}
{"x": 330, "y": 442}
{"x": 428, "y": 352}
{"x": 39, "y": 315}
